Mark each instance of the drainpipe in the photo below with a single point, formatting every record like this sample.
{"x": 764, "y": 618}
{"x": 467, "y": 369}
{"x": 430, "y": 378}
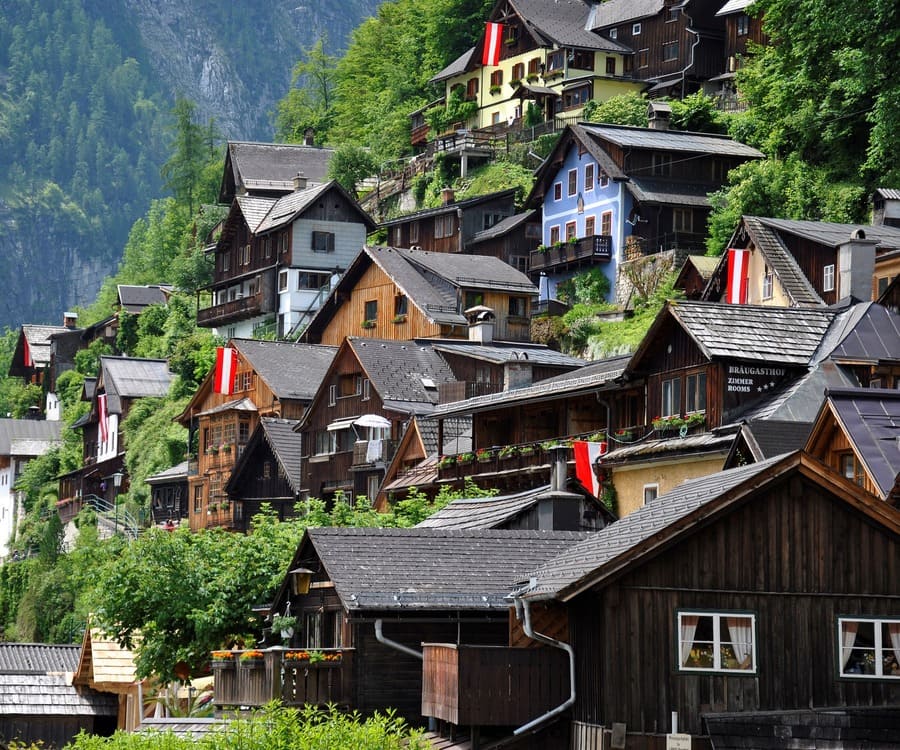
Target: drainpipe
{"x": 379, "y": 636}
{"x": 523, "y": 609}
{"x": 690, "y": 29}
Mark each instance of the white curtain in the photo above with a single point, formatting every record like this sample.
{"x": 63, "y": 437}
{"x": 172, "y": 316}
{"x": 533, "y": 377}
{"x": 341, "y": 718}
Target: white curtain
{"x": 688, "y": 628}
{"x": 741, "y": 630}
{"x": 894, "y": 632}
{"x": 848, "y": 638}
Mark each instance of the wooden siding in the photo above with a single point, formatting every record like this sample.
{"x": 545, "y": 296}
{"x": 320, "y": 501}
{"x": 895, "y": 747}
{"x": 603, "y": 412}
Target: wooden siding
{"x": 737, "y": 45}
{"x": 830, "y": 444}
{"x": 796, "y": 558}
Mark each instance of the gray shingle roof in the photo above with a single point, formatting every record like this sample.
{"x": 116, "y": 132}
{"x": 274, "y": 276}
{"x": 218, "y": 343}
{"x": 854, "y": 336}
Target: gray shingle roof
{"x": 501, "y": 352}
{"x": 274, "y": 165}
{"x": 451, "y": 207}
{"x": 292, "y": 371}
{"x": 173, "y": 473}
{"x": 459, "y": 65}
{"x": 51, "y": 695}
{"x": 648, "y": 191}
{"x": 634, "y": 452}
{"x": 238, "y": 404}
{"x": 129, "y": 377}
{"x": 502, "y": 227}
{"x": 614, "y": 12}
{"x": 563, "y": 22}
{"x": 38, "y": 657}
{"x": 289, "y": 206}
{"x": 286, "y": 445}
{"x": 871, "y": 419}
{"x": 833, "y": 234}
{"x": 20, "y": 433}
{"x": 182, "y": 727}
{"x": 772, "y": 437}
{"x": 483, "y": 512}
{"x": 672, "y": 140}
{"x": 398, "y": 370}
{"x": 135, "y": 298}
{"x": 585, "y": 561}
{"x": 404, "y": 569}
{"x": 472, "y": 271}
{"x": 254, "y": 209}
{"x": 38, "y": 338}
{"x": 734, "y": 6}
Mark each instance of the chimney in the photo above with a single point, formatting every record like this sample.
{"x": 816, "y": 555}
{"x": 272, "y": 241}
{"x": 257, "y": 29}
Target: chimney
{"x": 658, "y": 114}
{"x": 856, "y": 261}
{"x": 559, "y": 510}
{"x": 517, "y": 373}
{"x": 70, "y": 320}
{"x": 886, "y": 207}
{"x": 447, "y": 196}
{"x": 481, "y": 324}
{"x": 309, "y": 137}
{"x": 299, "y": 181}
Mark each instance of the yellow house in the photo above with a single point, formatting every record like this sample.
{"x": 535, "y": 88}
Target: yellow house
{"x": 546, "y": 58}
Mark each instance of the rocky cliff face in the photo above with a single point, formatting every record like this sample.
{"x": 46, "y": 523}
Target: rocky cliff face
{"x": 234, "y": 60}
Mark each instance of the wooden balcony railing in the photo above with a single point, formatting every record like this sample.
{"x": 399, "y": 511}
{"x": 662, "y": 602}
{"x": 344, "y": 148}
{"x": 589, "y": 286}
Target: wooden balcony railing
{"x": 492, "y": 686}
{"x": 293, "y": 681}
{"x": 237, "y": 309}
{"x": 597, "y": 247}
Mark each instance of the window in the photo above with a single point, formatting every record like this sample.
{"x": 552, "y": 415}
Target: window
{"x": 613, "y": 33}
{"x": 604, "y": 179}
{"x": 244, "y": 381}
{"x": 284, "y": 243}
{"x": 573, "y": 182}
{"x": 554, "y": 234}
{"x": 472, "y": 88}
{"x": 606, "y": 223}
{"x": 643, "y": 60}
{"x": 443, "y": 226}
{"x": 635, "y": 29}
{"x": 583, "y": 60}
{"x": 571, "y": 230}
{"x": 557, "y": 191}
{"x": 869, "y": 647}
{"x": 828, "y": 278}
{"x": 349, "y": 384}
{"x": 267, "y": 247}
{"x": 511, "y": 35}
{"x": 312, "y": 280}
{"x": 489, "y": 218}
{"x": 651, "y": 492}
{"x": 588, "y": 177}
{"x": 312, "y": 627}
{"x": 243, "y": 431}
{"x": 226, "y": 261}
{"x": 401, "y": 304}
{"x": 589, "y": 226}
{"x": 495, "y": 118}
{"x": 556, "y": 61}
{"x": 743, "y": 24}
{"x": 671, "y": 397}
{"x": 332, "y": 395}
{"x": 519, "y": 262}
{"x": 720, "y": 169}
{"x": 366, "y": 389}
{"x": 413, "y": 232}
{"x": 662, "y": 164}
{"x": 670, "y": 51}
{"x": 282, "y": 280}
{"x": 518, "y": 72}
{"x": 198, "y": 498}
{"x": 610, "y": 66}
{"x": 682, "y": 220}
{"x": 851, "y": 468}
{"x": 767, "y": 284}
{"x": 323, "y": 242}
{"x": 371, "y": 310}
{"x": 472, "y": 299}
{"x": 534, "y": 66}
{"x": 517, "y": 307}
{"x": 695, "y": 395}
{"x": 577, "y": 97}
{"x": 497, "y": 77}
{"x": 673, "y": 14}
{"x": 324, "y": 442}
{"x": 716, "y": 642}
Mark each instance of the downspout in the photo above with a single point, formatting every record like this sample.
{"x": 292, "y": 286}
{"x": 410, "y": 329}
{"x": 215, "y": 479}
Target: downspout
{"x": 523, "y": 609}
{"x": 689, "y": 28}
{"x": 380, "y": 637}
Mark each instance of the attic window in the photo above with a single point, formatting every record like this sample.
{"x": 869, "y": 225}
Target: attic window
{"x": 429, "y": 384}
{"x": 323, "y": 242}
{"x": 828, "y": 278}
{"x": 613, "y": 33}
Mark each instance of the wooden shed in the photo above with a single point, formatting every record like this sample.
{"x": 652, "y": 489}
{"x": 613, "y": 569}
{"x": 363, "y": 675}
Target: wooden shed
{"x": 107, "y": 667}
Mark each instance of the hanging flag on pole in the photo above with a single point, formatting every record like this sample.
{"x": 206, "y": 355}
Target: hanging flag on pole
{"x": 226, "y": 364}
{"x": 493, "y": 38}
{"x": 103, "y": 417}
{"x": 738, "y": 269}
{"x": 585, "y": 455}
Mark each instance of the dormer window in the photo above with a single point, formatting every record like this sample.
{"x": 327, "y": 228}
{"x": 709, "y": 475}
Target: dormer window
{"x": 635, "y": 29}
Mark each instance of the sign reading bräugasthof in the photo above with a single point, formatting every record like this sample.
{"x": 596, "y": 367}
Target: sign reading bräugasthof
{"x": 753, "y": 380}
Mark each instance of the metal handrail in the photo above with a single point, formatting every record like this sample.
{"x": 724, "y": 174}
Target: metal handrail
{"x": 118, "y": 516}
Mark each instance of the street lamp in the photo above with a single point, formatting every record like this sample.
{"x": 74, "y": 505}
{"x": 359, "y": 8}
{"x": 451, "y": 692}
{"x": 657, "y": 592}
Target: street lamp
{"x": 117, "y": 483}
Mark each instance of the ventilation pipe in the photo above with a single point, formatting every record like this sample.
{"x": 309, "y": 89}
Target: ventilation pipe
{"x": 523, "y": 613}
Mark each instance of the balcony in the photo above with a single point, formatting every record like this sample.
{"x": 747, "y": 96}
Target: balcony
{"x": 281, "y": 675}
{"x": 492, "y": 686}
{"x": 507, "y": 460}
{"x": 231, "y": 311}
{"x": 596, "y": 248}
{"x": 371, "y": 452}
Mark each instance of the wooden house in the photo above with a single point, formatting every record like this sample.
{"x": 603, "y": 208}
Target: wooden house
{"x": 612, "y": 193}
{"x": 743, "y": 31}
{"x": 855, "y": 434}
{"x": 33, "y": 359}
{"x": 810, "y": 263}
{"x": 548, "y": 59}
{"x": 267, "y": 471}
{"x": 107, "y": 667}
{"x": 369, "y": 598}
{"x": 677, "y": 46}
{"x": 21, "y": 440}
{"x": 695, "y": 274}
{"x": 169, "y": 495}
{"x": 272, "y": 379}
{"x": 268, "y": 169}
{"x": 740, "y": 607}
{"x": 452, "y": 226}
{"x": 120, "y": 383}
{"x": 276, "y": 258}
{"x": 361, "y": 410}
{"x": 39, "y": 705}
{"x": 405, "y": 294}
{"x": 511, "y": 239}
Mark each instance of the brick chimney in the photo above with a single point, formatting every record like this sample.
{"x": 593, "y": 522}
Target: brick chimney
{"x": 856, "y": 261}
{"x": 300, "y": 181}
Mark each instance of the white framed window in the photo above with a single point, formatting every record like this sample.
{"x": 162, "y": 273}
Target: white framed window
{"x": 695, "y": 392}
{"x": 635, "y": 29}
{"x": 671, "y": 397}
{"x": 332, "y": 394}
{"x": 716, "y": 642}
{"x": 282, "y": 281}
{"x": 554, "y": 234}
{"x": 573, "y": 182}
{"x": 588, "y": 177}
{"x": 651, "y": 492}
{"x": 768, "y": 284}
{"x": 869, "y": 647}
{"x": 828, "y": 278}
{"x": 613, "y": 33}
{"x": 366, "y": 389}
{"x": 557, "y": 191}
{"x": 670, "y": 51}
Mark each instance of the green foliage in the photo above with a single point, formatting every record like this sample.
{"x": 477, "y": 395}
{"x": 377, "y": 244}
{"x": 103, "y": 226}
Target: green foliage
{"x": 308, "y": 104}
{"x": 194, "y": 146}
{"x": 494, "y": 177}
{"x": 350, "y": 165}
{"x": 622, "y": 109}
{"x": 87, "y": 361}
{"x": 699, "y": 113}
{"x": 590, "y": 288}
{"x": 534, "y": 116}
{"x": 456, "y": 112}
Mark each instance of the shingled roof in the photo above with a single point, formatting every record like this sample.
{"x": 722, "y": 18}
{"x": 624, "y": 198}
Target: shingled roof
{"x": 614, "y": 12}
{"x": 409, "y": 569}
{"x": 270, "y": 167}
{"x": 292, "y": 371}
{"x": 38, "y": 658}
{"x": 288, "y": 207}
{"x": 134, "y": 299}
{"x": 37, "y": 338}
{"x": 563, "y": 23}
{"x": 286, "y": 445}
{"x": 27, "y": 437}
{"x": 484, "y": 512}
{"x": 627, "y": 136}
{"x": 130, "y": 377}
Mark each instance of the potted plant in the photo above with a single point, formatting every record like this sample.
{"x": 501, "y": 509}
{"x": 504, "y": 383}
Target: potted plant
{"x": 465, "y": 458}
{"x": 526, "y": 450}
{"x": 531, "y": 77}
{"x": 223, "y": 659}
{"x": 695, "y": 419}
{"x": 225, "y": 505}
{"x": 368, "y": 324}
{"x": 509, "y": 451}
{"x": 399, "y": 318}
{"x": 226, "y": 448}
{"x": 484, "y": 455}
{"x": 445, "y": 462}
{"x": 514, "y": 83}
{"x": 495, "y": 89}
{"x": 296, "y": 658}
{"x": 213, "y": 508}
{"x": 624, "y": 436}
{"x": 284, "y": 625}
{"x": 252, "y": 658}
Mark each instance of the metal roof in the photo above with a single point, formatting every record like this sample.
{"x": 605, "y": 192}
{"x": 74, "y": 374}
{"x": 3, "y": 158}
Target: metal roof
{"x": 173, "y": 473}
{"x": 483, "y": 512}
{"x": 130, "y": 377}
{"x": 502, "y": 227}
{"x": 38, "y": 658}
{"x": 649, "y": 191}
{"x": 135, "y": 298}
{"x": 508, "y": 195}
{"x": 672, "y": 140}
{"x": 502, "y": 352}
{"x": 832, "y": 234}
{"x": 21, "y": 432}
{"x": 614, "y": 12}
{"x": 734, "y": 6}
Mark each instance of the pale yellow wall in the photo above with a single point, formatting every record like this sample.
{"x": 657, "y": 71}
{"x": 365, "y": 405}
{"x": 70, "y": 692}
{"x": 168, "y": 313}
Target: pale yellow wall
{"x": 756, "y": 273}
{"x": 630, "y": 480}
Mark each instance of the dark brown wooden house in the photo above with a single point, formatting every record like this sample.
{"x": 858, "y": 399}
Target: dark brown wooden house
{"x": 511, "y": 240}
{"x": 742, "y": 603}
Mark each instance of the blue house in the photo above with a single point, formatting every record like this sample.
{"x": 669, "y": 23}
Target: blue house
{"x": 611, "y": 193}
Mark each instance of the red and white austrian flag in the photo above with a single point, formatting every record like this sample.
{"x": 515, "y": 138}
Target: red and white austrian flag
{"x": 493, "y": 38}
{"x": 226, "y": 366}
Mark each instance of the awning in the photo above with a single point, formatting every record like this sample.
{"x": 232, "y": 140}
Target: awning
{"x": 372, "y": 420}
{"x": 341, "y": 424}
{"x": 525, "y": 88}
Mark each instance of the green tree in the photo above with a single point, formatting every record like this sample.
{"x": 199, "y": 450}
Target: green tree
{"x": 622, "y": 109}
{"x": 308, "y": 104}
{"x": 193, "y": 147}
{"x": 350, "y": 165}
